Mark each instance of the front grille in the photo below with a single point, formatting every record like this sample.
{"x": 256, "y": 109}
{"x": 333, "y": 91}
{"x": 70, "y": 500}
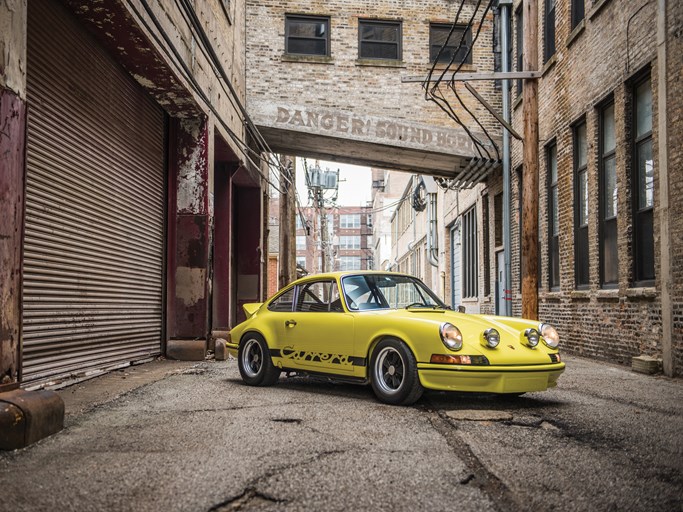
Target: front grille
{"x": 554, "y": 358}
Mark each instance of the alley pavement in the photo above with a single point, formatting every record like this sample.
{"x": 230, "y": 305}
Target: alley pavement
{"x": 170, "y": 436}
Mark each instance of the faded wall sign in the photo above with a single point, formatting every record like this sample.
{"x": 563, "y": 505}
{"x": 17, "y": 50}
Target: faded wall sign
{"x": 366, "y": 128}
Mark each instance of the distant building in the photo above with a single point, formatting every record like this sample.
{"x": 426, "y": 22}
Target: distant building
{"x": 348, "y": 241}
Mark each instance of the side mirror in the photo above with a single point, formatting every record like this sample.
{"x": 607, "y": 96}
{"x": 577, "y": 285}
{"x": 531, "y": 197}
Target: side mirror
{"x": 461, "y": 309}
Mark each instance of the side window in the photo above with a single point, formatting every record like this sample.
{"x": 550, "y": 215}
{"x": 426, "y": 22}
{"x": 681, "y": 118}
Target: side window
{"x": 319, "y": 296}
{"x": 283, "y": 302}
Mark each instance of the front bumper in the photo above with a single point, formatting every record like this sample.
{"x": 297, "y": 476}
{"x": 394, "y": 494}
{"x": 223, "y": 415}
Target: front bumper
{"x": 489, "y": 379}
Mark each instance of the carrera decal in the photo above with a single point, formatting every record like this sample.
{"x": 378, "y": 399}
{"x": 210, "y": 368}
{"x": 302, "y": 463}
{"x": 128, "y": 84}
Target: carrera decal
{"x": 315, "y": 357}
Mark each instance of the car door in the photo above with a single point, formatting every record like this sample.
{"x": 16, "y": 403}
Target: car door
{"x": 319, "y": 333}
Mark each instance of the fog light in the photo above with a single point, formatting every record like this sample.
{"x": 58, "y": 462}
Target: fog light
{"x": 491, "y": 338}
{"x": 531, "y": 336}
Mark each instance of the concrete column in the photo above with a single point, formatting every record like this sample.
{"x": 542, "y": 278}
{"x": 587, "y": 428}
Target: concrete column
{"x": 188, "y": 239}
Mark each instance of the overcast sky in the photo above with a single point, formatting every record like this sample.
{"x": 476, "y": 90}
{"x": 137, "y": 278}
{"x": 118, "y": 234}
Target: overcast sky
{"x": 355, "y": 182}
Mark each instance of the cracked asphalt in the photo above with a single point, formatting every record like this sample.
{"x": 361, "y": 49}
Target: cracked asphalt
{"x": 191, "y": 437}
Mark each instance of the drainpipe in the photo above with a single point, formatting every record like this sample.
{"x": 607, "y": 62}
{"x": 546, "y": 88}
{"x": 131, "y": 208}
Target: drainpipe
{"x": 413, "y": 242}
{"x": 664, "y": 191}
{"x": 505, "y": 6}
{"x": 432, "y": 230}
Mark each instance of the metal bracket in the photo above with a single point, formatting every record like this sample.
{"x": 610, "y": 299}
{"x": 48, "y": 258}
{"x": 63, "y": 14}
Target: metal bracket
{"x": 494, "y": 75}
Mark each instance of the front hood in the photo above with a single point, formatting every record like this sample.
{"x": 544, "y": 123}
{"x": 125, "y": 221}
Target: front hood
{"x": 510, "y": 351}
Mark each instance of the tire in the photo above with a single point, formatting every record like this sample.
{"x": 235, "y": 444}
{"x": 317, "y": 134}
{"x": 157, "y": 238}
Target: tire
{"x": 254, "y": 361}
{"x": 393, "y": 373}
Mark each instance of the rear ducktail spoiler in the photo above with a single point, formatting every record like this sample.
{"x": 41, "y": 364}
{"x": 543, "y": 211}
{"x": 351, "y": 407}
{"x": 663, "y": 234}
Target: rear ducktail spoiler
{"x": 251, "y": 308}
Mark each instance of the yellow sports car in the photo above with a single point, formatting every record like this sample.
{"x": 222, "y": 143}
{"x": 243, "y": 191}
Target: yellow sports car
{"x": 391, "y": 331}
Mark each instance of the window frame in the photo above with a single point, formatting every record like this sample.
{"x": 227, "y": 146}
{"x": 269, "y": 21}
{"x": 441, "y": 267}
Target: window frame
{"x": 553, "y": 239}
{"x": 399, "y": 42}
{"x": 470, "y": 254}
{"x": 549, "y": 30}
{"x": 346, "y": 238}
{"x": 581, "y": 241}
{"x": 344, "y": 217}
{"x": 519, "y": 45}
{"x": 637, "y": 142}
{"x": 304, "y": 17}
{"x": 603, "y": 157}
{"x": 578, "y": 12}
{"x": 302, "y": 289}
{"x": 346, "y": 257}
{"x": 435, "y": 26}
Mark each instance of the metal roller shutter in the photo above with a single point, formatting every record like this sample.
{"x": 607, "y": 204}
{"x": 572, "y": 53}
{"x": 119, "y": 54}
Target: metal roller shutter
{"x": 95, "y": 202}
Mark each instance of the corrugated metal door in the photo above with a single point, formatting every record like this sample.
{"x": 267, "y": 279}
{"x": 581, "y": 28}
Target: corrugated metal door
{"x": 95, "y": 201}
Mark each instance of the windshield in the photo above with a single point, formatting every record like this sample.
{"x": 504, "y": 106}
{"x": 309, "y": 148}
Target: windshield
{"x": 387, "y": 291}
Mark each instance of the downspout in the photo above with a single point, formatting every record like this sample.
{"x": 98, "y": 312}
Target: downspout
{"x": 505, "y": 6}
{"x": 432, "y": 230}
{"x": 411, "y": 244}
{"x": 664, "y": 188}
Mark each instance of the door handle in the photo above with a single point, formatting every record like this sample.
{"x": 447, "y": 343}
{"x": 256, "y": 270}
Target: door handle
{"x": 290, "y": 323}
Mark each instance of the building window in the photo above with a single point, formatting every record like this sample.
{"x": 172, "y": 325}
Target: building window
{"x": 498, "y": 219}
{"x": 578, "y": 12}
{"x": 379, "y": 39}
{"x": 301, "y": 242}
{"x": 439, "y": 38}
{"x": 609, "y": 262}
{"x": 519, "y": 22}
{"x": 553, "y": 219}
{"x": 349, "y": 263}
{"x": 643, "y": 185}
{"x": 470, "y": 264}
{"x": 581, "y": 261}
{"x": 307, "y": 35}
{"x": 301, "y": 261}
{"x": 349, "y": 221}
{"x": 349, "y": 243}
{"x": 549, "y": 31}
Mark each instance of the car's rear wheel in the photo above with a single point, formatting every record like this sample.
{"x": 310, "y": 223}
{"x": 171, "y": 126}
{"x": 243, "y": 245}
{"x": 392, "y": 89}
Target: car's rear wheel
{"x": 393, "y": 376}
{"x": 254, "y": 361}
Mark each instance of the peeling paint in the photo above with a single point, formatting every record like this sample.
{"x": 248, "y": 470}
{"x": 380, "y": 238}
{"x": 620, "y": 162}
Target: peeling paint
{"x": 190, "y": 284}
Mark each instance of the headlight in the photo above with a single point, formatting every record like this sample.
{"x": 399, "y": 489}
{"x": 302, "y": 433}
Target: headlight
{"x": 451, "y": 336}
{"x": 549, "y": 335}
{"x": 531, "y": 337}
{"x": 490, "y": 338}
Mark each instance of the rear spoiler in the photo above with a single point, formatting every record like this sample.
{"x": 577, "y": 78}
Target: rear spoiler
{"x": 251, "y": 308}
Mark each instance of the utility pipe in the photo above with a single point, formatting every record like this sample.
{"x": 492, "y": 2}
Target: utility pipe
{"x": 505, "y": 15}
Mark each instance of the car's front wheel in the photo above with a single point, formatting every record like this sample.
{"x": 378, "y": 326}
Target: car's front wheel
{"x": 254, "y": 361}
{"x": 394, "y": 377}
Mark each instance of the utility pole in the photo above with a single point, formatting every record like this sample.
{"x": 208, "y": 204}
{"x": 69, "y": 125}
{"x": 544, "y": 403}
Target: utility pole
{"x": 320, "y": 206}
{"x": 530, "y": 161}
{"x": 287, "y": 221}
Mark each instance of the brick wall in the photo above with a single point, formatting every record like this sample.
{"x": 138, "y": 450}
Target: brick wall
{"x": 346, "y": 83}
{"x": 615, "y": 43}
